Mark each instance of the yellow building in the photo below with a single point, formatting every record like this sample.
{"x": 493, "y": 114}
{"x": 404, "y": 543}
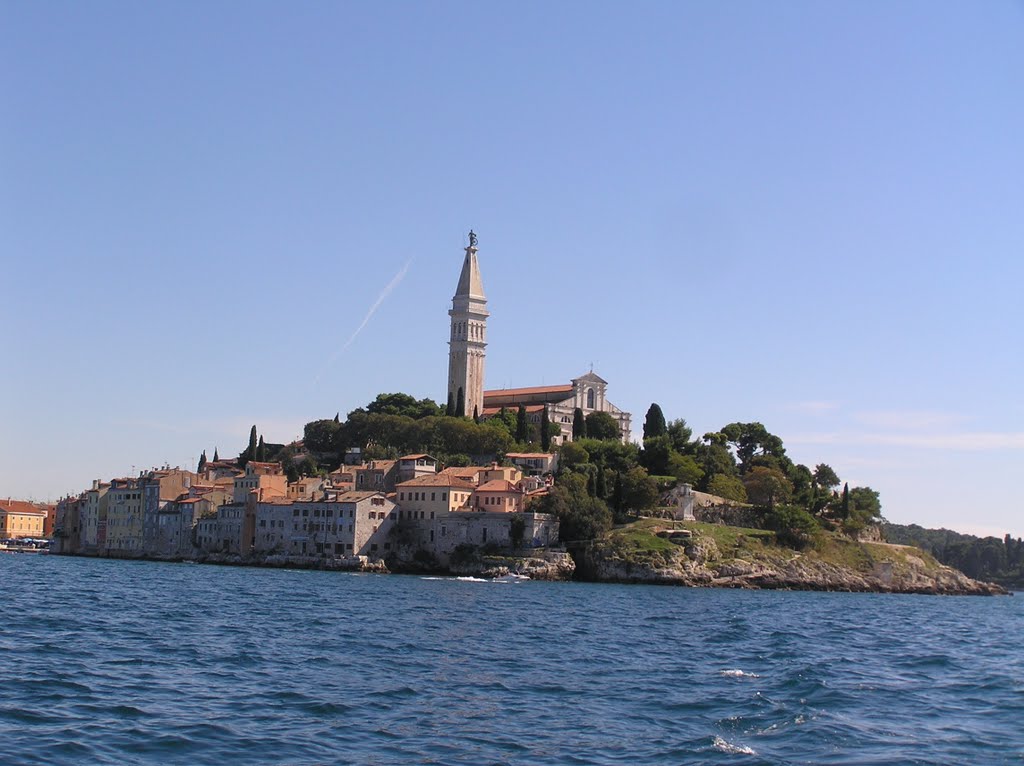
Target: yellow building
{"x": 427, "y": 497}
{"x": 20, "y": 519}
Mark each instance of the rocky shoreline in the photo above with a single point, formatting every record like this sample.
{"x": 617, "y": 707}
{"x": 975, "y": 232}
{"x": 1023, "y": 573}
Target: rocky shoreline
{"x": 695, "y": 561}
{"x": 698, "y": 562}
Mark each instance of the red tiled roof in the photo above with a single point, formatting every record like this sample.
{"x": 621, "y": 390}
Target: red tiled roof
{"x": 439, "y": 480}
{"x": 566, "y": 389}
{"x": 20, "y": 506}
{"x": 415, "y": 457}
{"x": 498, "y": 485}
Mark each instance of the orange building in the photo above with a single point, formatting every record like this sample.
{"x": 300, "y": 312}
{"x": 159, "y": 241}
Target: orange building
{"x": 21, "y": 519}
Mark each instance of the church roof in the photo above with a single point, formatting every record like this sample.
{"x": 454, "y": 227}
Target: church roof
{"x": 534, "y": 395}
{"x": 590, "y": 377}
{"x": 470, "y": 282}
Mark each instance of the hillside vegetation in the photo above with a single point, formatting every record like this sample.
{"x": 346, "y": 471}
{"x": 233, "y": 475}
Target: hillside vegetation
{"x": 694, "y": 553}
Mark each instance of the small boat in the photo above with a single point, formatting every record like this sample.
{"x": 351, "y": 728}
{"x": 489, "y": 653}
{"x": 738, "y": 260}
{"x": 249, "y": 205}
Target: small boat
{"x": 511, "y": 577}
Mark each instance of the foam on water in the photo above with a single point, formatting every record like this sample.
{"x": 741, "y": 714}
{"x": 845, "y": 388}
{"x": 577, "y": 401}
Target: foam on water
{"x": 727, "y": 747}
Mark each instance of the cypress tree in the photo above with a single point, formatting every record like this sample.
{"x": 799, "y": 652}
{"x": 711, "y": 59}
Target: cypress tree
{"x": 654, "y": 423}
{"x": 450, "y": 409}
{"x": 250, "y": 453}
{"x": 617, "y": 494}
{"x": 476, "y": 414}
{"x": 592, "y": 483}
{"x": 216, "y": 457}
{"x": 202, "y": 462}
{"x": 846, "y": 500}
{"x": 602, "y": 482}
{"x": 545, "y": 431}
{"x": 460, "y": 404}
{"x": 579, "y": 425}
{"x": 522, "y": 430}
{"x": 337, "y": 417}
{"x": 261, "y": 451}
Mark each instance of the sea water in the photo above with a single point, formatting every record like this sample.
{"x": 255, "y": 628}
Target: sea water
{"x": 121, "y": 662}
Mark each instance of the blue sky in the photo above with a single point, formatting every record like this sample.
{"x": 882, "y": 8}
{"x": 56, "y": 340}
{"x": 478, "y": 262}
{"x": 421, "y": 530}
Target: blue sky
{"x": 807, "y": 214}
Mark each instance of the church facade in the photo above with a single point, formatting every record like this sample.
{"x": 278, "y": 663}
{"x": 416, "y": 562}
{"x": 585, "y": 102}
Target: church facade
{"x": 466, "y": 352}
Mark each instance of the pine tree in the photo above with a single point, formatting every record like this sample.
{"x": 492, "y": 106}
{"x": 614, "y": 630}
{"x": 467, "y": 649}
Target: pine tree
{"x": 450, "y": 409}
{"x": 522, "y": 429}
{"x": 617, "y": 494}
{"x": 654, "y": 423}
{"x": 202, "y": 462}
{"x": 460, "y": 404}
{"x": 579, "y": 425}
{"x": 545, "y": 431}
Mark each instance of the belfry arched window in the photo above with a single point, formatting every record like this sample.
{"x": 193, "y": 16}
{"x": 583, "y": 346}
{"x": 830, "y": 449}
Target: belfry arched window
{"x": 590, "y": 399}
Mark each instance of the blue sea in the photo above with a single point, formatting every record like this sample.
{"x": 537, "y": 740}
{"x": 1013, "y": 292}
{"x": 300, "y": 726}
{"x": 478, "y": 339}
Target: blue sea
{"x": 121, "y": 662}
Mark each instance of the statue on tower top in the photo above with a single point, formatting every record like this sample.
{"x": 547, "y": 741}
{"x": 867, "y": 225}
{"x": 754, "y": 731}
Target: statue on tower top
{"x": 472, "y": 238}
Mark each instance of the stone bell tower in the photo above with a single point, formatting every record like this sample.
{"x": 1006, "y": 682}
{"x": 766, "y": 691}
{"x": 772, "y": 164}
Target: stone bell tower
{"x": 468, "y": 339}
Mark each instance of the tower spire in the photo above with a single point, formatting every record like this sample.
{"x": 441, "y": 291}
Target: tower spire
{"x": 467, "y": 342}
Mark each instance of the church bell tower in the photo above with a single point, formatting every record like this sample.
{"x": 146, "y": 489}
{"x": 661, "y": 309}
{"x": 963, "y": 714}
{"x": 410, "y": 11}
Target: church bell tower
{"x": 468, "y": 339}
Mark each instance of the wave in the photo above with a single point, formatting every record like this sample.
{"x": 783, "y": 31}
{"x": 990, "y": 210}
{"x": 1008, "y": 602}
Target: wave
{"x": 727, "y": 747}
{"x": 737, "y": 674}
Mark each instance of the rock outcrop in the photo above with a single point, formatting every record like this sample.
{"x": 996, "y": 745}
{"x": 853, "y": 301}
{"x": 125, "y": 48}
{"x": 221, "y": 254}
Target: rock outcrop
{"x": 697, "y": 561}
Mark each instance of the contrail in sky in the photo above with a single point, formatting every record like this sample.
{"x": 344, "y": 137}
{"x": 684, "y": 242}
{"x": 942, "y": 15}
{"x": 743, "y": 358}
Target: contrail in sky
{"x": 369, "y": 315}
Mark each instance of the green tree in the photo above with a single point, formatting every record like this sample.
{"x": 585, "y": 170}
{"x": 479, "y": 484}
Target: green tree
{"x": 579, "y": 425}
{"x": 249, "y": 453}
{"x": 476, "y": 414}
{"x": 460, "y": 403}
{"x": 793, "y": 526}
{"x": 450, "y": 409}
{"x": 522, "y": 427}
{"x": 654, "y": 423}
{"x": 767, "y": 486}
{"x": 404, "y": 405}
{"x": 580, "y": 516}
{"x": 202, "y": 462}
{"x": 601, "y": 482}
{"x": 680, "y": 435}
{"x": 261, "y": 451}
{"x": 639, "y": 490}
{"x": 825, "y": 477}
{"x": 714, "y": 456}
{"x": 545, "y": 431}
{"x": 751, "y": 440}
{"x": 571, "y": 455}
{"x": 656, "y": 455}
{"x": 728, "y": 487}
{"x": 322, "y": 436}
{"x": 216, "y": 456}
{"x": 601, "y": 425}
{"x": 685, "y": 469}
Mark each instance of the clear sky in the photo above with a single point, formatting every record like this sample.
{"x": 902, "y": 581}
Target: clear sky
{"x": 807, "y": 214}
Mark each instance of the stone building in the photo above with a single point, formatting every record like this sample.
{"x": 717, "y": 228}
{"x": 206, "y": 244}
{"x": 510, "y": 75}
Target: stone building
{"x": 587, "y": 393}
{"x": 468, "y": 339}
{"x": 466, "y": 354}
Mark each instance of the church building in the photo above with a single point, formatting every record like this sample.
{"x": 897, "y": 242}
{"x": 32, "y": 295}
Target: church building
{"x": 467, "y": 344}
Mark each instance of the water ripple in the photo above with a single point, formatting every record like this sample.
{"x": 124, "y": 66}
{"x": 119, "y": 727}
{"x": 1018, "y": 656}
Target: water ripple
{"x": 109, "y": 662}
